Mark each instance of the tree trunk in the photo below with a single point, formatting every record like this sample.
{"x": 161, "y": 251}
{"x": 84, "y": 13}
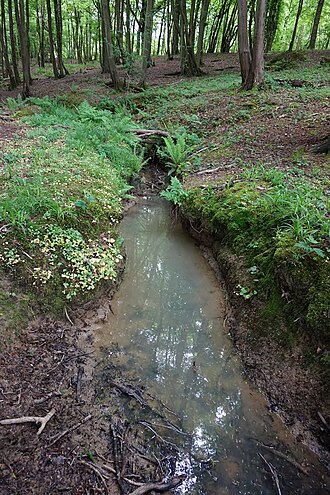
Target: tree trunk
{"x": 256, "y": 72}
{"x": 147, "y": 37}
{"x": 243, "y": 41}
{"x": 4, "y": 47}
{"x": 316, "y": 23}
{"x": 202, "y": 24}
{"x": 108, "y": 44}
{"x": 51, "y": 40}
{"x": 300, "y": 6}
{"x": 21, "y": 26}
{"x": 189, "y": 65}
{"x": 13, "y": 43}
{"x": 59, "y": 31}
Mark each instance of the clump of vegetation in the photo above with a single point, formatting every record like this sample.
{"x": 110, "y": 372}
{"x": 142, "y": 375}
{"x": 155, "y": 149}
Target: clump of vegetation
{"x": 280, "y": 224}
{"x": 61, "y": 198}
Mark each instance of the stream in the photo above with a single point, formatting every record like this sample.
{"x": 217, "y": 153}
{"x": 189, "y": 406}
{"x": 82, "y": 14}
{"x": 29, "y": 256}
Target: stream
{"x": 168, "y": 329}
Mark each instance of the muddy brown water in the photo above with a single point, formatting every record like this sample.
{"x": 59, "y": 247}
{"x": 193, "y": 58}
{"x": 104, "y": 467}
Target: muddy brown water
{"x": 168, "y": 328}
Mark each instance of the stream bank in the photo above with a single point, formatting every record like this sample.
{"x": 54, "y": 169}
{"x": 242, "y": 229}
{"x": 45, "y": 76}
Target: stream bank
{"x": 277, "y": 356}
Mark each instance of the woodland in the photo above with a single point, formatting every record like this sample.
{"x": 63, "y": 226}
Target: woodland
{"x": 221, "y": 107}
{"x": 122, "y": 31}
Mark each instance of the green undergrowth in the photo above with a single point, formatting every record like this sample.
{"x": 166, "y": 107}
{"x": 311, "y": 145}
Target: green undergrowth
{"x": 62, "y": 190}
{"x": 280, "y": 224}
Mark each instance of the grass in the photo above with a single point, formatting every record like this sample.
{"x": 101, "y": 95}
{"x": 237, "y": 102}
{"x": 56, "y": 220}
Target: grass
{"x": 62, "y": 191}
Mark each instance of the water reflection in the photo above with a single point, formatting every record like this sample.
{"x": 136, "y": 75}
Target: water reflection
{"x": 168, "y": 322}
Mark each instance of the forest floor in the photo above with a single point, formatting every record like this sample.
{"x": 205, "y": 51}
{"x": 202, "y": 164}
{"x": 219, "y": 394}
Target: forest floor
{"x": 48, "y": 364}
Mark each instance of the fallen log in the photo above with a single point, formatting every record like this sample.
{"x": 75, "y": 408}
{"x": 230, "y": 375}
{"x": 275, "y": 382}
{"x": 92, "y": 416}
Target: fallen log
{"x": 142, "y": 133}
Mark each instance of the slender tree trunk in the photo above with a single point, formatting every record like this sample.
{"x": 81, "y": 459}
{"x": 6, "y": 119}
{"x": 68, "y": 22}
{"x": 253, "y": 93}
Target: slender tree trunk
{"x": 51, "y": 40}
{"x": 202, "y": 24}
{"x": 189, "y": 65}
{"x": 4, "y": 46}
{"x": 300, "y": 6}
{"x": 147, "y": 37}
{"x": 13, "y": 43}
{"x": 316, "y": 23}
{"x": 21, "y": 26}
{"x": 175, "y": 8}
{"x": 256, "y": 72}
{"x": 59, "y": 31}
{"x": 243, "y": 40}
{"x": 108, "y": 44}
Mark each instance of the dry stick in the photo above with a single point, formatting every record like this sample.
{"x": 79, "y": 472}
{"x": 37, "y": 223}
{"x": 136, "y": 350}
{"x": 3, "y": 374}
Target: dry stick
{"x": 149, "y": 132}
{"x": 68, "y": 317}
{"x": 48, "y": 396}
{"x": 280, "y": 454}
{"x": 159, "y": 487}
{"x": 43, "y": 420}
{"x": 101, "y": 476}
{"x": 115, "y": 456}
{"x": 273, "y": 472}
{"x": 323, "y": 420}
{"x": 157, "y": 435}
{"x": 79, "y": 381}
{"x": 74, "y": 427}
{"x": 207, "y": 171}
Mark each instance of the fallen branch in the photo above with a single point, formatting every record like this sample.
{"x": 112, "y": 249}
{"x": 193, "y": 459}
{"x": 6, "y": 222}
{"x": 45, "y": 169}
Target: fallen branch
{"x": 65, "y": 432}
{"x": 207, "y": 171}
{"x": 43, "y": 420}
{"x": 68, "y": 317}
{"x": 273, "y": 473}
{"x": 48, "y": 396}
{"x": 280, "y": 454}
{"x": 159, "y": 487}
{"x": 100, "y": 475}
{"x": 149, "y": 132}
{"x": 323, "y": 420}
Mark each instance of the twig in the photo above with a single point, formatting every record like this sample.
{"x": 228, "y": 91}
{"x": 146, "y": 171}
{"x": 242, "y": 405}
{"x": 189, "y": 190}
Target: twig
{"x": 68, "y": 317}
{"x": 115, "y": 456}
{"x": 144, "y": 423}
{"x": 280, "y": 454}
{"x": 273, "y": 473}
{"x": 207, "y": 171}
{"x": 48, "y": 396}
{"x": 95, "y": 469}
{"x": 43, "y": 420}
{"x": 79, "y": 381}
{"x": 323, "y": 420}
{"x": 149, "y": 132}
{"x": 65, "y": 432}
{"x": 159, "y": 487}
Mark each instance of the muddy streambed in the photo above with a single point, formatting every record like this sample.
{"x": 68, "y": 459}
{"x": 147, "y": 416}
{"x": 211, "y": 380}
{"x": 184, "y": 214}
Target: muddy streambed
{"x": 167, "y": 336}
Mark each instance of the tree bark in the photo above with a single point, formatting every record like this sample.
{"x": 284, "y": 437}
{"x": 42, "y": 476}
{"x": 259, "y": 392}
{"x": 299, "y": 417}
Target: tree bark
{"x": 316, "y": 23}
{"x": 147, "y": 37}
{"x": 51, "y": 40}
{"x": 108, "y": 44}
{"x": 256, "y": 72}
{"x": 202, "y": 25}
{"x": 293, "y": 37}
{"x": 4, "y": 47}
{"x": 13, "y": 43}
{"x": 243, "y": 40}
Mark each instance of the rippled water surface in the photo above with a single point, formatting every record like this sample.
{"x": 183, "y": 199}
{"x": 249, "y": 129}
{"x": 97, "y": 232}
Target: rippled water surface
{"x": 169, "y": 322}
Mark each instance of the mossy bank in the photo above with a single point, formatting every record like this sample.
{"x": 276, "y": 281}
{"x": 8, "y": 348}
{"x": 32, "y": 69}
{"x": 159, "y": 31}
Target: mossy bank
{"x": 269, "y": 232}
{"x": 62, "y": 193}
